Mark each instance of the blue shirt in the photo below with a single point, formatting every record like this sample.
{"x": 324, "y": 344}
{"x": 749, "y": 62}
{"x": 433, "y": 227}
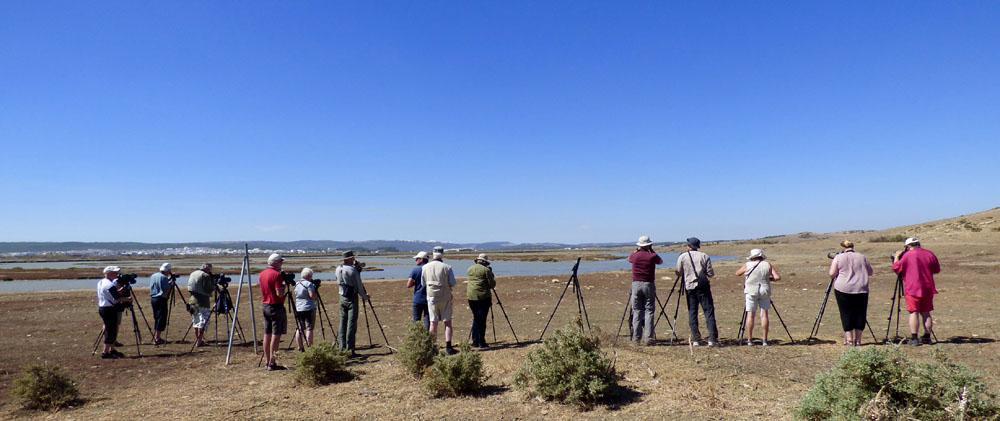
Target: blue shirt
{"x": 302, "y": 300}
{"x": 159, "y": 284}
{"x": 419, "y": 291}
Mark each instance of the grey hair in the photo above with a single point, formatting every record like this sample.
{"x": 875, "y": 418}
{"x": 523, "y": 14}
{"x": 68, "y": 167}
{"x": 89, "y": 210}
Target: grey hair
{"x": 206, "y": 266}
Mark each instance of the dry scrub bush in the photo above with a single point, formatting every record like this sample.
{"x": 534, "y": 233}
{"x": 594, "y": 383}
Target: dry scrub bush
{"x": 898, "y": 238}
{"x": 418, "y": 350}
{"x": 881, "y": 383}
{"x": 569, "y": 368}
{"x": 45, "y": 387}
{"x": 455, "y": 375}
{"x": 322, "y": 364}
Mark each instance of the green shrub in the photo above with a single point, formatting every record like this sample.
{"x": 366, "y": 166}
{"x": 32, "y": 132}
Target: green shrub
{"x": 418, "y": 350}
{"x": 455, "y": 375}
{"x": 897, "y": 238}
{"x": 322, "y": 364}
{"x": 569, "y": 368}
{"x": 45, "y": 387}
{"x": 881, "y": 383}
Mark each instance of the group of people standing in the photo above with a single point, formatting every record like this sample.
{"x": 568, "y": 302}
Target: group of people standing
{"x": 850, "y": 272}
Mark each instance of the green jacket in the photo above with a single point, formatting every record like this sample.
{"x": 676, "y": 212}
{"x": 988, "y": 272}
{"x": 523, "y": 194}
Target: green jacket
{"x": 481, "y": 281}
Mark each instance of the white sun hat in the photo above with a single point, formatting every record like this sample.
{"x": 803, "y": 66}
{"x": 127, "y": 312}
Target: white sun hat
{"x": 421, "y": 255}
{"x": 483, "y": 257}
{"x": 110, "y": 269}
{"x": 756, "y": 253}
{"x": 274, "y": 258}
{"x": 644, "y": 241}
{"x": 911, "y": 241}
{"x": 166, "y": 267}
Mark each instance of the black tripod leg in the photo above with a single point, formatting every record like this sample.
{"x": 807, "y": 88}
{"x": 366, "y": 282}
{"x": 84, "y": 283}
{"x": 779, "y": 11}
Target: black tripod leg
{"x": 899, "y": 305}
{"x": 628, "y": 304}
{"x": 143, "y": 314}
{"x": 892, "y": 305}
{"x": 504, "y": 311}
{"x": 874, "y": 339}
{"x": 559, "y": 301}
{"x": 380, "y": 329}
{"x": 493, "y": 323}
{"x": 364, "y": 305}
{"x": 742, "y": 329}
{"x": 97, "y": 342}
{"x": 822, "y": 310}
{"x": 777, "y": 313}
{"x": 135, "y": 330}
{"x": 583, "y": 304}
{"x": 663, "y": 312}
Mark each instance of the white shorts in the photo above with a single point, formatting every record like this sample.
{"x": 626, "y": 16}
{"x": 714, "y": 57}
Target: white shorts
{"x": 440, "y": 312}
{"x": 755, "y": 302}
{"x": 200, "y": 317}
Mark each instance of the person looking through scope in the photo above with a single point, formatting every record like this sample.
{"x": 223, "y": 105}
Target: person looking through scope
{"x": 917, "y": 266}
{"x": 420, "y": 311}
{"x": 439, "y": 279}
{"x": 851, "y": 271}
{"x": 758, "y": 275}
{"x": 272, "y": 295}
{"x": 110, "y": 303}
{"x": 696, "y": 269}
{"x": 349, "y": 281}
{"x": 201, "y": 286}
{"x": 159, "y": 291}
{"x": 305, "y": 308}
{"x": 644, "y": 261}
{"x": 481, "y": 282}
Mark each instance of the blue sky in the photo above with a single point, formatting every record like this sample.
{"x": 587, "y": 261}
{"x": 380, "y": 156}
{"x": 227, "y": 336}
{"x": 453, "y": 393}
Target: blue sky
{"x": 475, "y": 121}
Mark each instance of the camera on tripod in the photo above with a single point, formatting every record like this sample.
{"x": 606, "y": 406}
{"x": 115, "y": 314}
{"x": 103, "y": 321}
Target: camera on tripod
{"x": 833, "y": 254}
{"x": 316, "y": 282}
{"x": 288, "y": 278}
{"x": 359, "y": 265}
{"x": 222, "y": 280}
{"x": 127, "y": 279}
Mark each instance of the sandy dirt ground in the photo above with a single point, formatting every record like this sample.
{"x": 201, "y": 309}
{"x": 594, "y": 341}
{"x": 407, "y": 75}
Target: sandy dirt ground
{"x": 731, "y": 382}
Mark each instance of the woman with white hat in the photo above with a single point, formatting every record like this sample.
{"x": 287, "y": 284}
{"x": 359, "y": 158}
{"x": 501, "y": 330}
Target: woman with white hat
{"x": 757, "y": 275}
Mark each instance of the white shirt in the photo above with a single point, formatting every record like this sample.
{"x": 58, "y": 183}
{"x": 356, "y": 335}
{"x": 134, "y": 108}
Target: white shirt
{"x": 439, "y": 278}
{"x": 104, "y": 296}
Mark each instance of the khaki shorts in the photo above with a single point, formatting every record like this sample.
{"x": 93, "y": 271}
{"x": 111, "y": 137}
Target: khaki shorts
{"x": 440, "y": 312}
{"x": 199, "y": 319}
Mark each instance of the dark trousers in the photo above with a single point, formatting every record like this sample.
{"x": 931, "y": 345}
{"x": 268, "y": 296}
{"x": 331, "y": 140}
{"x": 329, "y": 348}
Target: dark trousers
{"x": 480, "y": 309}
{"x": 853, "y": 310}
{"x": 348, "y": 322}
{"x": 159, "y": 305}
{"x": 420, "y": 313}
{"x": 702, "y": 295}
{"x": 109, "y": 315}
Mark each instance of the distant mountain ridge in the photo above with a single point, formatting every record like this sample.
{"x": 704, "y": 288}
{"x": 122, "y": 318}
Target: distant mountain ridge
{"x": 307, "y": 245}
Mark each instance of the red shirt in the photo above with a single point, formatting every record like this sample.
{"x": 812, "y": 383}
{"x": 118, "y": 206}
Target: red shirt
{"x": 918, "y": 267}
{"x": 270, "y": 280}
{"x": 644, "y": 265}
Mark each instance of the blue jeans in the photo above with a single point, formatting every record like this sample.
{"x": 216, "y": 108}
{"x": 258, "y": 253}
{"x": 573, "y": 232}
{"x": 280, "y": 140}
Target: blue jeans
{"x": 643, "y": 310}
{"x": 702, "y": 295}
{"x": 420, "y": 313}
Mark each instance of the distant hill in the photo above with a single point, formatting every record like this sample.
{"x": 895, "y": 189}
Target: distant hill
{"x": 306, "y": 245}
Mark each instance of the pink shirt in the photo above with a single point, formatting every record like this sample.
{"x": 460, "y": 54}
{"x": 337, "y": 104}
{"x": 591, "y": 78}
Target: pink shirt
{"x": 918, "y": 267}
{"x": 852, "y": 271}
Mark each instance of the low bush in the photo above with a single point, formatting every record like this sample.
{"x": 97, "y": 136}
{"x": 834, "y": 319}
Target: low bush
{"x": 322, "y": 364}
{"x": 455, "y": 375}
{"x": 881, "y": 383}
{"x": 897, "y": 238}
{"x": 569, "y": 368}
{"x": 418, "y": 350}
{"x": 44, "y": 387}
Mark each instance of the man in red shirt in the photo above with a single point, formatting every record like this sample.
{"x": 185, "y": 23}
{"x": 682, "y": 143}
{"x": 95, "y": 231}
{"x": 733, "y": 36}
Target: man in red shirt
{"x": 272, "y": 292}
{"x": 917, "y": 266}
{"x": 644, "y": 261}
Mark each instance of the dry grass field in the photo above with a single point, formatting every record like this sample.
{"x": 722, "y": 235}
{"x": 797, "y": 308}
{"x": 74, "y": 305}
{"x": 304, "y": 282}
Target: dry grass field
{"x": 665, "y": 380}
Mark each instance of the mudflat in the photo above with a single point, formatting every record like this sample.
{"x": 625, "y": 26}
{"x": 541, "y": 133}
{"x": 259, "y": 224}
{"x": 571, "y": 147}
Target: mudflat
{"x": 731, "y": 382}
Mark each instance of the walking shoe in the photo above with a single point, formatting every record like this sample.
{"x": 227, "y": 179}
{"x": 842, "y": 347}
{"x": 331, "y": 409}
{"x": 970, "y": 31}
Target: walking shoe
{"x": 696, "y": 343}
{"x": 926, "y": 339}
{"x": 118, "y": 344}
{"x": 159, "y": 342}
{"x": 275, "y": 367}
{"x": 750, "y": 343}
{"x": 763, "y": 343}
{"x": 108, "y": 356}
{"x": 117, "y": 353}
{"x": 914, "y": 342}
{"x": 450, "y": 351}
{"x": 713, "y": 344}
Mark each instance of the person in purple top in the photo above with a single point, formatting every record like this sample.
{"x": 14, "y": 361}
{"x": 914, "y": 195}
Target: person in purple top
{"x": 644, "y": 261}
{"x": 419, "y": 291}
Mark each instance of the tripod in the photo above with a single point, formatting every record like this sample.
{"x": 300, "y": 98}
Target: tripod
{"x": 822, "y": 311}
{"x": 581, "y": 306}
{"x": 743, "y": 324}
{"x": 365, "y": 303}
{"x": 300, "y": 325}
{"x": 174, "y": 292}
{"x": 244, "y": 273}
{"x": 223, "y": 304}
{"x": 135, "y": 302}
{"x": 127, "y": 292}
{"x": 502, "y": 310}
{"x": 324, "y": 313}
{"x": 662, "y": 313}
{"x": 897, "y": 302}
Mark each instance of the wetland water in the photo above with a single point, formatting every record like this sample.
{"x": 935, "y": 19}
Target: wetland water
{"x": 394, "y": 268}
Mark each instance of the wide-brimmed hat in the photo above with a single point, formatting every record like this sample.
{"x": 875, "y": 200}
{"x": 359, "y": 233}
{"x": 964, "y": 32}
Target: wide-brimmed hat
{"x": 274, "y": 258}
{"x": 694, "y": 242}
{"x": 437, "y": 255}
{"x": 483, "y": 257}
{"x": 911, "y": 241}
{"x": 644, "y": 241}
{"x": 755, "y": 253}
{"x": 421, "y": 255}
{"x": 110, "y": 269}
{"x": 166, "y": 267}
{"x": 348, "y": 254}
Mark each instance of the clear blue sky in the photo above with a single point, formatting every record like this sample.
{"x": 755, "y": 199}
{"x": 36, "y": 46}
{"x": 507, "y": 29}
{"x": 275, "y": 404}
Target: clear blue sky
{"x": 473, "y": 121}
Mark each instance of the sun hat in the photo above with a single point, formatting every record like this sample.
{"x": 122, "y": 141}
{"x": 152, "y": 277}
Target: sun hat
{"x": 756, "y": 253}
{"x": 274, "y": 258}
{"x": 166, "y": 267}
{"x": 694, "y": 242}
{"x": 439, "y": 249}
{"x": 306, "y": 272}
{"x": 437, "y": 255}
{"x": 911, "y": 241}
{"x": 348, "y": 254}
{"x": 110, "y": 269}
{"x": 483, "y": 257}
{"x": 644, "y": 241}
{"x": 421, "y": 255}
